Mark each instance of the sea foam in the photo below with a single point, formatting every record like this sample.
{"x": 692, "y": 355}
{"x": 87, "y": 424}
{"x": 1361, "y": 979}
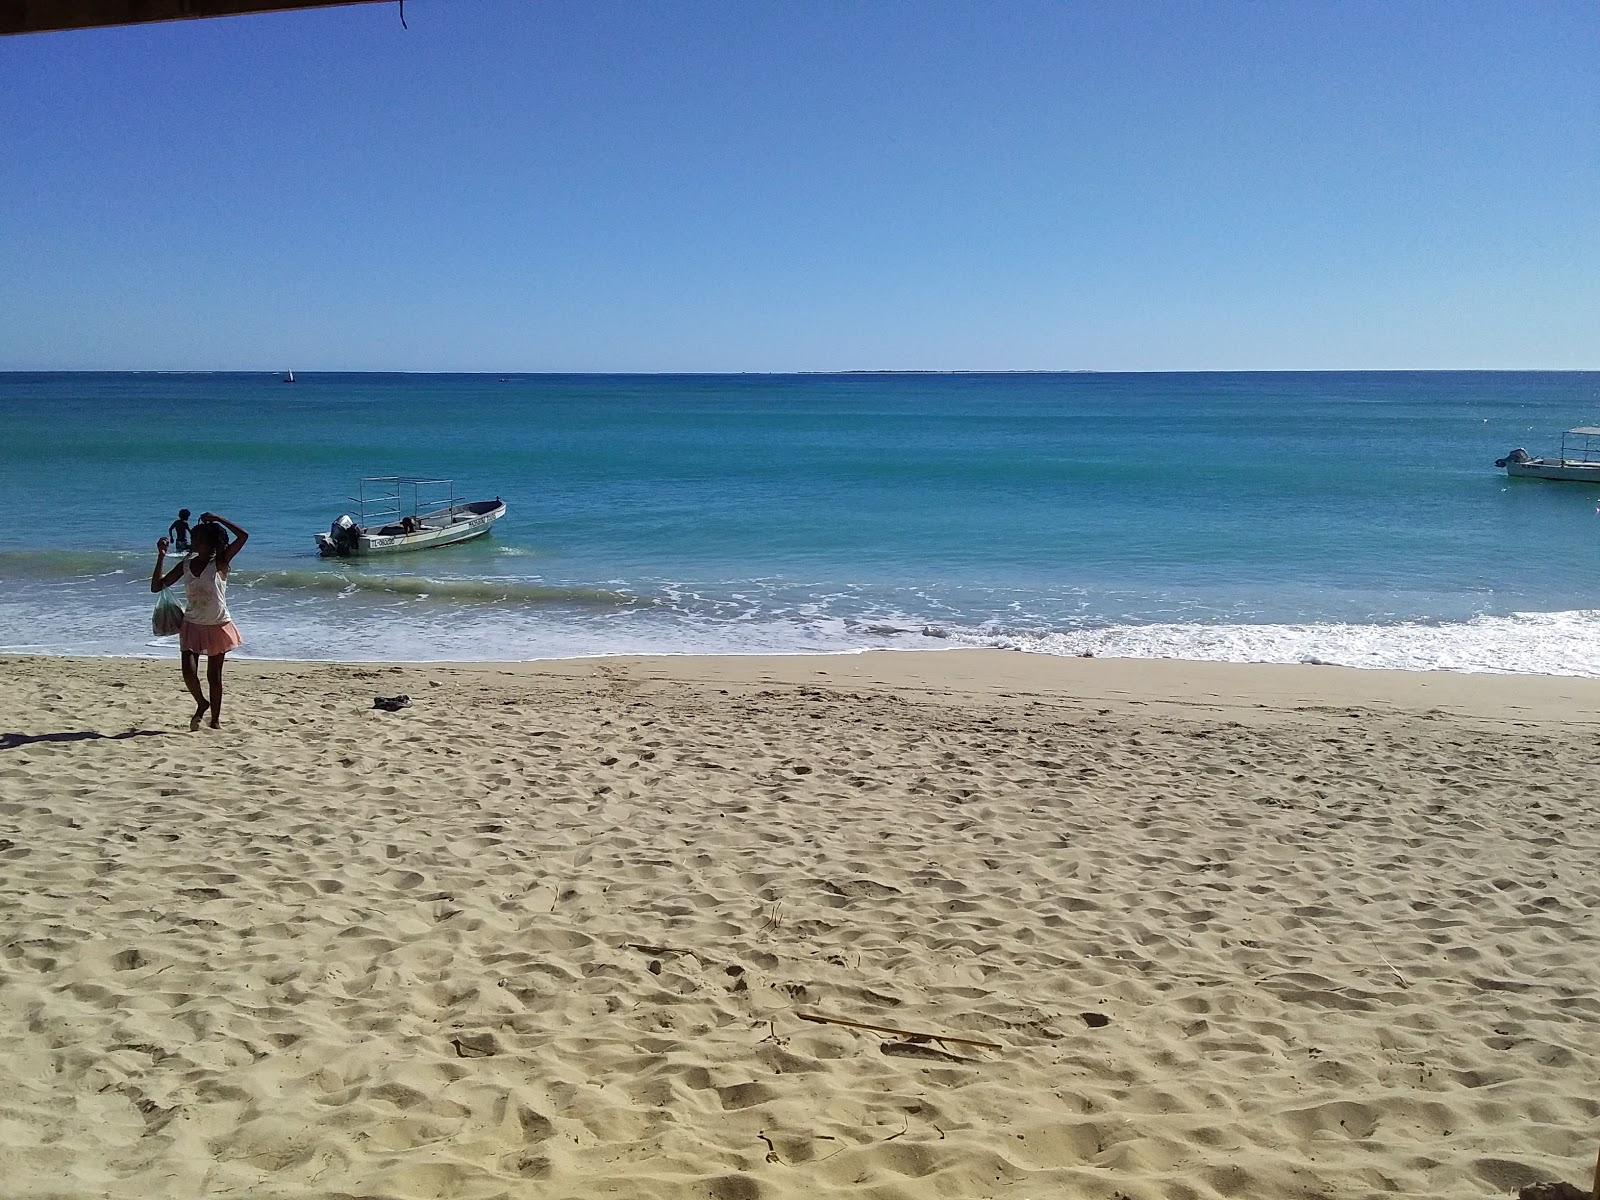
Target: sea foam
{"x": 1553, "y": 643}
{"x": 411, "y": 623}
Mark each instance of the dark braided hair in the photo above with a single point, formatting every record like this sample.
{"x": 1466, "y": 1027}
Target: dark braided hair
{"x": 216, "y": 536}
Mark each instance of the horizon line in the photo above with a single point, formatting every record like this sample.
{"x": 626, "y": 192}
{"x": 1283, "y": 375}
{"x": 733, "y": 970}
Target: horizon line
{"x": 507, "y": 374}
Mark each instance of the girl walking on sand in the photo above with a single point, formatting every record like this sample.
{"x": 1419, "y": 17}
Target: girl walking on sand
{"x": 207, "y": 625}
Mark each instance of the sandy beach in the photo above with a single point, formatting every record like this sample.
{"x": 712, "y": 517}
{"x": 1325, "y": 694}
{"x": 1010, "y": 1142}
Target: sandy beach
{"x": 555, "y": 930}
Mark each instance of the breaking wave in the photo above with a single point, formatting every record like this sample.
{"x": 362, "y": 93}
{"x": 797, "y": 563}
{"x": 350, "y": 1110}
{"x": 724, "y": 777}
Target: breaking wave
{"x": 1553, "y": 643}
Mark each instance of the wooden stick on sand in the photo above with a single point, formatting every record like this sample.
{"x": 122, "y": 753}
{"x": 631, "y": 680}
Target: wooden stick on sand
{"x": 913, "y": 1034}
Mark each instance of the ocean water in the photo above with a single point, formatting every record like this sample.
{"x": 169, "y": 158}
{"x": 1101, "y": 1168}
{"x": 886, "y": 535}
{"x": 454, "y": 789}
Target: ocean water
{"x": 1352, "y": 518}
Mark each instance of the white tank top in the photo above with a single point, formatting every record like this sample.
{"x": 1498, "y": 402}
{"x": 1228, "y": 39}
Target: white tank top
{"x": 208, "y": 596}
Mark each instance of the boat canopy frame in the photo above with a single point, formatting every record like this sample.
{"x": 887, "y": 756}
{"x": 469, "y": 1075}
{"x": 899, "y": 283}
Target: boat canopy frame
{"x": 381, "y": 499}
{"x": 1588, "y": 454}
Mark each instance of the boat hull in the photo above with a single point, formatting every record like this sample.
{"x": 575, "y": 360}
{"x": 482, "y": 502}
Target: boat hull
{"x": 1562, "y": 472}
{"x": 464, "y": 523}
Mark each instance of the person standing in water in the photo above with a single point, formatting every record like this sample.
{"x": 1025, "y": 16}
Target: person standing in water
{"x": 208, "y": 627}
{"x": 178, "y": 531}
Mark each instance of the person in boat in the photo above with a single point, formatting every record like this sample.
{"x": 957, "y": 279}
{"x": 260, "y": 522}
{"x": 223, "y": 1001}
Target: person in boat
{"x": 208, "y": 627}
{"x": 409, "y": 524}
{"x": 178, "y": 531}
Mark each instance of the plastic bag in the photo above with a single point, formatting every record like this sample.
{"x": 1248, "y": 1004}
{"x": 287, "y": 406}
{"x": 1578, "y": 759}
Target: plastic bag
{"x": 168, "y": 616}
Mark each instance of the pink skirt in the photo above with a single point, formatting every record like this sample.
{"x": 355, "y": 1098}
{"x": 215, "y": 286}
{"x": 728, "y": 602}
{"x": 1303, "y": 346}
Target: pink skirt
{"x": 209, "y": 639}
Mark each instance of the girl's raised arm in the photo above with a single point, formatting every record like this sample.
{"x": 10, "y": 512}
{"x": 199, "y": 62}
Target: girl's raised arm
{"x": 157, "y": 581}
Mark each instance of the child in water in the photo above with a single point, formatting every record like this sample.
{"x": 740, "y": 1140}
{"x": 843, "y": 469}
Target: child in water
{"x": 208, "y": 627}
{"x": 179, "y": 532}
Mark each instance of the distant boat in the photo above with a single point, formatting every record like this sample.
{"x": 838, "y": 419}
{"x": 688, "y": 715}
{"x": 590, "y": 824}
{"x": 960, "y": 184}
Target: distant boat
{"x": 289, "y": 378}
{"x": 1578, "y": 461}
{"x": 392, "y": 520}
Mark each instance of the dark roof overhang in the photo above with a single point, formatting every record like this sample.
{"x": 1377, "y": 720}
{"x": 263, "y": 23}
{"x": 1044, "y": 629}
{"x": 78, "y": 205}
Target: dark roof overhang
{"x": 41, "y": 16}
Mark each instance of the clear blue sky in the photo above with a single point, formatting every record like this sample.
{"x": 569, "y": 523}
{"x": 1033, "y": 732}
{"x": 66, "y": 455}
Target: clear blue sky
{"x": 576, "y": 185}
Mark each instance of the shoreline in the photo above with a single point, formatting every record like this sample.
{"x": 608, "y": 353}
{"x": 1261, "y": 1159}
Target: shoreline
{"x": 1209, "y": 930}
{"x": 1205, "y": 686}
{"x": 1558, "y": 644}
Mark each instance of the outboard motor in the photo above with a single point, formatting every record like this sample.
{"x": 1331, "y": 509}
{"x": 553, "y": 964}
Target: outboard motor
{"x": 344, "y": 535}
{"x": 1519, "y": 455}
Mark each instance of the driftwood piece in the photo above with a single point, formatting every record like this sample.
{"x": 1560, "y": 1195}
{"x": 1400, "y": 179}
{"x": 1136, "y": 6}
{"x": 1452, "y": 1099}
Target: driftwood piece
{"x": 679, "y": 951}
{"x": 647, "y": 948}
{"x": 912, "y": 1034}
{"x": 474, "y": 1046}
{"x": 918, "y": 1050}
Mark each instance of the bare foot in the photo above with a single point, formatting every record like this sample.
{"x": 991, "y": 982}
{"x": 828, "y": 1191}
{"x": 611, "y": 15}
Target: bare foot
{"x": 194, "y": 721}
{"x": 216, "y": 723}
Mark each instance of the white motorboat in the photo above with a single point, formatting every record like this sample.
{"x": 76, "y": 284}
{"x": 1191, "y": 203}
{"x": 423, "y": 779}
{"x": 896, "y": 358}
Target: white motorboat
{"x": 402, "y": 512}
{"x": 1578, "y": 461}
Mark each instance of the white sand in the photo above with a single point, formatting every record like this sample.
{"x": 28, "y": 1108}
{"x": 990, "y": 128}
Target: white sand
{"x": 547, "y": 933}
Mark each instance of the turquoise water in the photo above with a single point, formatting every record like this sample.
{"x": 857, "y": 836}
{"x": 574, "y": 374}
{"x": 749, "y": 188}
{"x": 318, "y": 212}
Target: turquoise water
{"x": 1347, "y": 517}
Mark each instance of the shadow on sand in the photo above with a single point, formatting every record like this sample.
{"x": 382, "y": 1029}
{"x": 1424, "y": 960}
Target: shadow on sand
{"x": 10, "y": 741}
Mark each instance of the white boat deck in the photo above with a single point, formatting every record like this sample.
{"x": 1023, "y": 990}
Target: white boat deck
{"x": 441, "y": 518}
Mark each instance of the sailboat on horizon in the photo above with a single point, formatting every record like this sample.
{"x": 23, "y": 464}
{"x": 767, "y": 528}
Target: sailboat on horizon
{"x": 288, "y": 377}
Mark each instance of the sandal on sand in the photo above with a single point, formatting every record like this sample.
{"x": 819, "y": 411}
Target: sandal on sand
{"x": 391, "y": 703}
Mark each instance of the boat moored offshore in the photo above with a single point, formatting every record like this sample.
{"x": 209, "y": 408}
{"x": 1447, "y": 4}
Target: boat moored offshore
{"x": 396, "y": 513}
{"x": 1578, "y": 461}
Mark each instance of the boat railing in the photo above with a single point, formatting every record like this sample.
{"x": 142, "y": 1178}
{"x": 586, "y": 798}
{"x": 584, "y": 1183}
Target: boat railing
{"x": 388, "y": 505}
{"x": 1586, "y": 455}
